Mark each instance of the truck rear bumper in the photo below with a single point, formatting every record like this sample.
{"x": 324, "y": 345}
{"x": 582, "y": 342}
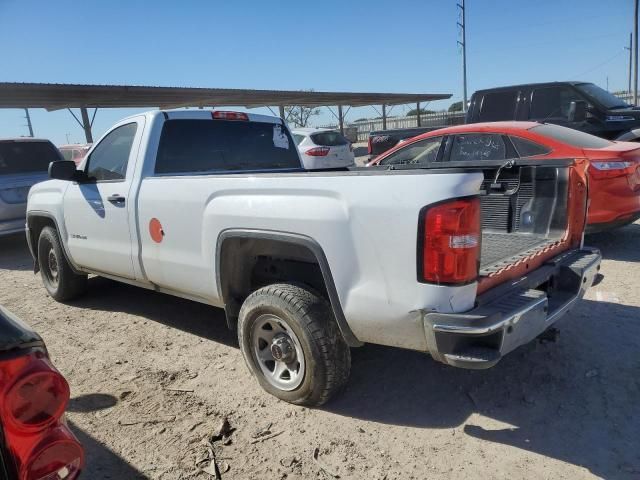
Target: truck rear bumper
{"x": 511, "y": 315}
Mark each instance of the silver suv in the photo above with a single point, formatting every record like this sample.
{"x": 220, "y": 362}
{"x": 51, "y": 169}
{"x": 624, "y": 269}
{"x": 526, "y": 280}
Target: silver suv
{"x": 23, "y": 163}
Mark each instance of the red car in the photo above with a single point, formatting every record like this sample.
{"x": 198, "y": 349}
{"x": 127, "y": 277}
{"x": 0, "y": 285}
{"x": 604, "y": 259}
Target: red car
{"x": 614, "y": 167}
{"x": 35, "y": 441}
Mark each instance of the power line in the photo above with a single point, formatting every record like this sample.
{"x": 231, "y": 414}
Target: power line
{"x": 609, "y": 60}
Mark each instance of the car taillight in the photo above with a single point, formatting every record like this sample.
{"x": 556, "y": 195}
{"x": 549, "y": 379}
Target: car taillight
{"x": 318, "y": 151}
{"x": 60, "y": 458}
{"x": 223, "y": 115}
{"x": 33, "y": 397}
{"x": 611, "y": 168}
{"x": 37, "y": 399}
{"x": 449, "y": 242}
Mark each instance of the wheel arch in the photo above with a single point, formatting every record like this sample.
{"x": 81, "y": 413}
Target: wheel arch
{"x": 240, "y": 251}
{"x": 36, "y": 221}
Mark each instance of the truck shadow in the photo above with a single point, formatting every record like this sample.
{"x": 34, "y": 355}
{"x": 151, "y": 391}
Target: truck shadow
{"x": 620, "y": 244}
{"x": 192, "y": 317}
{"x": 574, "y": 400}
{"x": 14, "y": 253}
{"x": 100, "y": 461}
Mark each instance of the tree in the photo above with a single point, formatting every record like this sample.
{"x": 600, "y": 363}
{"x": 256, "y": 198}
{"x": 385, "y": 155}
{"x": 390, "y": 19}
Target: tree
{"x": 300, "y": 116}
{"x": 456, "y": 106}
{"x": 415, "y": 112}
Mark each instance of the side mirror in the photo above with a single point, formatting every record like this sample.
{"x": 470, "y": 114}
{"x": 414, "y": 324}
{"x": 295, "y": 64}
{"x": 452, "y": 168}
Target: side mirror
{"x": 63, "y": 170}
{"x": 577, "y": 111}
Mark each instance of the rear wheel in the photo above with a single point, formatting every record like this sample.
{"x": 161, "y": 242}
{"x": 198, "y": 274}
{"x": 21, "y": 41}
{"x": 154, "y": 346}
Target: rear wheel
{"x": 292, "y": 345}
{"x": 57, "y": 276}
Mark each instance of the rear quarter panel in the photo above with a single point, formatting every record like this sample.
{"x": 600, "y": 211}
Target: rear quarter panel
{"x": 366, "y": 224}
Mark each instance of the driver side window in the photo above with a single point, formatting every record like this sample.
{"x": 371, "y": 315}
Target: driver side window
{"x": 109, "y": 159}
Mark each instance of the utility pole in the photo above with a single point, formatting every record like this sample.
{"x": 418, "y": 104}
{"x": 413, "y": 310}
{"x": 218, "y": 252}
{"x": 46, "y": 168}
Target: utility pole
{"x": 630, "y": 48}
{"x": 635, "y": 53}
{"x": 28, "y": 117}
{"x": 463, "y": 44}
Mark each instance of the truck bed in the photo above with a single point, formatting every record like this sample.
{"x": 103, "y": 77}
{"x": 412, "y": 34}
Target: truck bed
{"x": 504, "y": 248}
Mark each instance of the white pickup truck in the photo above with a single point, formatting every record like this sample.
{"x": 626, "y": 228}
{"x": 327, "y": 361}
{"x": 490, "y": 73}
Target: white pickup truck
{"x": 465, "y": 262}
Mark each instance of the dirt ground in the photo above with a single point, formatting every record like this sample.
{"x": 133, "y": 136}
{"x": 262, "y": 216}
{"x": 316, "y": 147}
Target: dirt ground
{"x": 153, "y": 376}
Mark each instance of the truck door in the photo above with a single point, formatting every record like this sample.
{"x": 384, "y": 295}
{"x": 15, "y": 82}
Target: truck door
{"x": 97, "y": 213}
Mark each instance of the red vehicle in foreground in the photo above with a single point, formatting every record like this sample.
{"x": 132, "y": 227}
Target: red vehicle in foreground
{"x": 35, "y": 441}
{"x": 614, "y": 167}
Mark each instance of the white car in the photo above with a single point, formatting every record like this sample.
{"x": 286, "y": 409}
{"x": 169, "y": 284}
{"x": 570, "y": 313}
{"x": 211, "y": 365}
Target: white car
{"x": 323, "y": 148}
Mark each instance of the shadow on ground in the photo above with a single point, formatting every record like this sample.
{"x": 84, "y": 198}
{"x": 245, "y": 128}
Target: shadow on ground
{"x": 91, "y": 402}
{"x": 100, "y": 461}
{"x": 192, "y": 317}
{"x": 620, "y": 244}
{"x": 14, "y": 253}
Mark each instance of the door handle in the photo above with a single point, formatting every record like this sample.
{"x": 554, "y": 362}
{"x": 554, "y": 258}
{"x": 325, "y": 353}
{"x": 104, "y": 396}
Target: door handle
{"x": 116, "y": 199}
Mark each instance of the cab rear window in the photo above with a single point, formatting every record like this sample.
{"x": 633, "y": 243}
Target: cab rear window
{"x": 329, "y": 139}
{"x": 26, "y": 157}
{"x": 210, "y": 146}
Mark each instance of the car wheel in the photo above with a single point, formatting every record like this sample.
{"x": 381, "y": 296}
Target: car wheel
{"x": 57, "y": 276}
{"x": 292, "y": 344}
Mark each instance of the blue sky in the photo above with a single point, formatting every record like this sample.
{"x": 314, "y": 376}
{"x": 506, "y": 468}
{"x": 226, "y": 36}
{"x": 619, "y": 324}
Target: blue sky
{"x": 402, "y": 46}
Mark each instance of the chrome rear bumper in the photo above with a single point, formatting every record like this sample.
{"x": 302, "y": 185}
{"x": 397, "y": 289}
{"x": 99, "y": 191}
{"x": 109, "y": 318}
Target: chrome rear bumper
{"x": 512, "y": 315}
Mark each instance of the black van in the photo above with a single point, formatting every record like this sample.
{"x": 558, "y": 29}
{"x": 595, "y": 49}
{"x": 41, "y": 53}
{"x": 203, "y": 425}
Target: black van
{"x": 578, "y": 105}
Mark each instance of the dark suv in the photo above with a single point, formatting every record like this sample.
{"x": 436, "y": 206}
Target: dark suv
{"x": 578, "y": 105}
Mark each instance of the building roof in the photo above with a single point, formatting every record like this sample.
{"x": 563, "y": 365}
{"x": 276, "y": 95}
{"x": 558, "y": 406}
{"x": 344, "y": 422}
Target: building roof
{"x": 56, "y": 96}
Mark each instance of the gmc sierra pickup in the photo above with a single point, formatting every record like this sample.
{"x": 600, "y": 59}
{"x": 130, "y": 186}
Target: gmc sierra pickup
{"x": 216, "y": 207}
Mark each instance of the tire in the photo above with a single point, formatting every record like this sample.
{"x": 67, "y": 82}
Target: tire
{"x": 304, "y": 321}
{"x": 57, "y": 276}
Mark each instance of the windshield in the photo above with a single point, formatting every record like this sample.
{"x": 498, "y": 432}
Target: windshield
{"x": 608, "y": 99}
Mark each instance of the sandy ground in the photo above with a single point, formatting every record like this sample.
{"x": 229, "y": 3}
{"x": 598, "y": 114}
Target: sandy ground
{"x": 153, "y": 376}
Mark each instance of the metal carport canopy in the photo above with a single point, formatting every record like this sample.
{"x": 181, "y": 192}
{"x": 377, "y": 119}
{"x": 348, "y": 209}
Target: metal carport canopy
{"x": 55, "y": 96}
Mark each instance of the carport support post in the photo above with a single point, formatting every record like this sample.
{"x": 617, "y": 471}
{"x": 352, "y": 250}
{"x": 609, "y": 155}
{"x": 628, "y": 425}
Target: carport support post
{"x": 418, "y": 113}
{"x": 281, "y": 107}
{"x": 341, "y": 119}
{"x": 384, "y": 117}
{"x": 86, "y": 124}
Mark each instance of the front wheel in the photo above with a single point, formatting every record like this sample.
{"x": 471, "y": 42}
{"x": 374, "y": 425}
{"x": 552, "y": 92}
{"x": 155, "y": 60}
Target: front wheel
{"x": 61, "y": 282}
{"x": 292, "y": 344}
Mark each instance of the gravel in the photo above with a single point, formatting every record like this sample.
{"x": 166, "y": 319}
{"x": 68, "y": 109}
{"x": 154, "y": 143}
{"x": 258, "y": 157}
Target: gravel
{"x": 153, "y": 377}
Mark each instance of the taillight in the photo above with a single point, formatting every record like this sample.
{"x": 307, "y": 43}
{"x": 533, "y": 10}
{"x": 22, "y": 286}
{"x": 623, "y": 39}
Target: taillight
{"x": 33, "y": 397}
{"x": 223, "y": 115}
{"x": 37, "y": 399}
{"x": 449, "y": 242}
{"x": 611, "y": 168}
{"x": 318, "y": 151}
{"x": 60, "y": 458}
